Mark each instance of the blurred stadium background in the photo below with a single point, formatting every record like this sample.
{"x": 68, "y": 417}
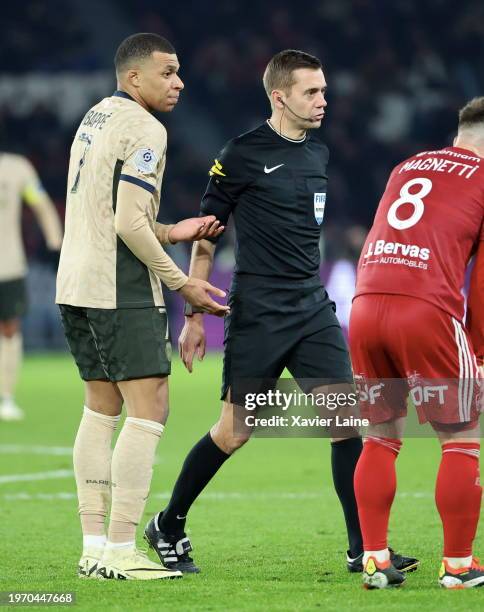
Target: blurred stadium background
{"x": 397, "y": 71}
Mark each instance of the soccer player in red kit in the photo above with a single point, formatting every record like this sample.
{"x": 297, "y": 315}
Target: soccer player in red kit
{"x": 407, "y": 325}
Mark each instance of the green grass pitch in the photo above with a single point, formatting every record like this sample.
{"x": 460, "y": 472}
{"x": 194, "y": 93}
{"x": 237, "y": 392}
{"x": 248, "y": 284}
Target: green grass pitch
{"x": 268, "y": 532}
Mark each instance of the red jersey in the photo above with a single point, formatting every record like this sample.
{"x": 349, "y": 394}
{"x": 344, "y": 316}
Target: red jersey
{"x": 475, "y": 305}
{"x": 427, "y": 227}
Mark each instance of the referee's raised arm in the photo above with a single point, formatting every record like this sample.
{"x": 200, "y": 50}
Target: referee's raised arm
{"x": 228, "y": 179}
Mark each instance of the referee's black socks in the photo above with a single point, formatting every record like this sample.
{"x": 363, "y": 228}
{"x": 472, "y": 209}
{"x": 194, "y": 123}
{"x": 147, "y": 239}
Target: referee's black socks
{"x": 200, "y": 466}
{"x": 344, "y": 457}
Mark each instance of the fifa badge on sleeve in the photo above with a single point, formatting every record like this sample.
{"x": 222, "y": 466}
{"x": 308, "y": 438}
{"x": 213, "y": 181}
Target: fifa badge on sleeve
{"x": 319, "y": 205}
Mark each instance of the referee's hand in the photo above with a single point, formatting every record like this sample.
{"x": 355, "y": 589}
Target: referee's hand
{"x": 192, "y": 340}
{"x": 197, "y": 293}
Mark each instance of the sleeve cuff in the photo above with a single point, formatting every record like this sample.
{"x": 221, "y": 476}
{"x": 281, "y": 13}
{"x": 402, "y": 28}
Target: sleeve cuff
{"x": 178, "y": 283}
{"x": 162, "y": 233}
{"x": 136, "y": 181}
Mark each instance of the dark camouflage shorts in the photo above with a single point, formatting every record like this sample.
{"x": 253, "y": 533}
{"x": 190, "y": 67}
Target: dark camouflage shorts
{"x": 119, "y": 344}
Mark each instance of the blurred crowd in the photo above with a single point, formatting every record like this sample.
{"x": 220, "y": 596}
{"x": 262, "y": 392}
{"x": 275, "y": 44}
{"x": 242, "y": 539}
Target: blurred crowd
{"x": 397, "y": 72}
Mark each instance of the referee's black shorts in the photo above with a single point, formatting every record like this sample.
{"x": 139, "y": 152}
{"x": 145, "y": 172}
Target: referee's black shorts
{"x": 276, "y": 324}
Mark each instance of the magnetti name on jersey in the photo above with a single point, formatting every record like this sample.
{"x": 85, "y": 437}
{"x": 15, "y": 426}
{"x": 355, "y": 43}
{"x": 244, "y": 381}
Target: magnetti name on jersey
{"x": 436, "y": 164}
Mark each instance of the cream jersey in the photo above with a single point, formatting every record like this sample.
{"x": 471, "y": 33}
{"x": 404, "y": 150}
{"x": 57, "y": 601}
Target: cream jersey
{"x": 118, "y": 140}
{"x": 18, "y": 183}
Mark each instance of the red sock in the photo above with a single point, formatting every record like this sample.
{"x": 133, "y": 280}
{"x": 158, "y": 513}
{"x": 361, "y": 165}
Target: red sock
{"x": 458, "y": 495}
{"x": 375, "y": 486}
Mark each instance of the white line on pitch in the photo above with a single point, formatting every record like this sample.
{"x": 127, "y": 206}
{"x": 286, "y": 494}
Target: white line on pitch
{"x": 27, "y": 449}
{"x": 39, "y": 496}
{"x": 52, "y": 475}
{"x": 227, "y": 496}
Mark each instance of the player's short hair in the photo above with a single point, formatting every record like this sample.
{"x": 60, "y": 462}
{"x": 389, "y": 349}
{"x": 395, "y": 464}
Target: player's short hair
{"x": 280, "y": 69}
{"x": 472, "y": 113}
{"x": 138, "y": 47}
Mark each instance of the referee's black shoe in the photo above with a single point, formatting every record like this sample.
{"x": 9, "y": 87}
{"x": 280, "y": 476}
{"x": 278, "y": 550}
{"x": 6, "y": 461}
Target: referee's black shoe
{"x": 399, "y": 562}
{"x": 171, "y": 549}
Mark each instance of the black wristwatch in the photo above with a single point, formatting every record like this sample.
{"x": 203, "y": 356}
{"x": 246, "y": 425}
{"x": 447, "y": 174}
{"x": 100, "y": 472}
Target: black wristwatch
{"x": 190, "y": 310}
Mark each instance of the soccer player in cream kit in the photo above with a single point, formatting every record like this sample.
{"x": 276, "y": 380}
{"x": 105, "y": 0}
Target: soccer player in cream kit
{"x": 407, "y": 323}
{"x": 111, "y": 301}
{"x": 19, "y": 183}
{"x": 273, "y": 181}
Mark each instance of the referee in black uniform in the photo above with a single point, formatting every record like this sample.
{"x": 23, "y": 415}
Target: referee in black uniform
{"x": 273, "y": 181}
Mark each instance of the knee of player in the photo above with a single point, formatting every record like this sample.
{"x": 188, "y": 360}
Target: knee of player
{"x": 8, "y": 329}
{"x": 235, "y": 442}
{"x": 467, "y": 432}
{"x": 228, "y": 441}
{"x": 164, "y": 413}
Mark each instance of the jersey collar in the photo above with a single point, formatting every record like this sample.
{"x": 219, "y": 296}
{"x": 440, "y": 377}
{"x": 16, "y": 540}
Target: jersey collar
{"x": 122, "y": 94}
{"x": 298, "y": 141}
{"x": 467, "y": 152}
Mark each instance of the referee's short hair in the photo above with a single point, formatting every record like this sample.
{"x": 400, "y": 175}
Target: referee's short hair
{"x": 279, "y": 71}
{"x": 138, "y": 47}
{"x": 472, "y": 114}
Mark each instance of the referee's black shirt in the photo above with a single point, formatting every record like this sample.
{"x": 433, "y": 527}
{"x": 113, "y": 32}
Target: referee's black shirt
{"x": 275, "y": 188}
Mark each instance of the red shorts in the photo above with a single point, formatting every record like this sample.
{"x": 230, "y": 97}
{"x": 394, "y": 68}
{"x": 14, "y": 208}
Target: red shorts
{"x": 404, "y": 347}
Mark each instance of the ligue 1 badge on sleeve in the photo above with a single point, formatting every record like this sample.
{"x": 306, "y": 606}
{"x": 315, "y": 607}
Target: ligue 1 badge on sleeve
{"x": 145, "y": 161}
{"x": 319, "y": 205}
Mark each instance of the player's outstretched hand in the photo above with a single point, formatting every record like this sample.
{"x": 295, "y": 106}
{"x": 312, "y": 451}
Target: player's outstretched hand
{"x": 195, "y": 228}
{"x": 192, "y": 340}
{"x": 197, "y": 293}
